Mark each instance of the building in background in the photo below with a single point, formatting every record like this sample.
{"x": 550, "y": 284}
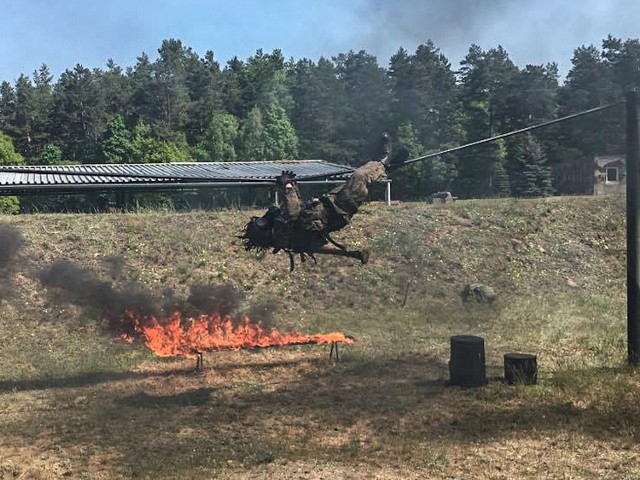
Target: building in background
{"x": 609, "y": 176}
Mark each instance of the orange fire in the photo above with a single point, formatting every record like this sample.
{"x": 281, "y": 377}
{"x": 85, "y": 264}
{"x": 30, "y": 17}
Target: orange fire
{"x": 176, "y": 337}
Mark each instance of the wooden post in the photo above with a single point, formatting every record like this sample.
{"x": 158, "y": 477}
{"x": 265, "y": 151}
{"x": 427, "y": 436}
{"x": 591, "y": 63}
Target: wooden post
{"x": 467, "y": 364}
{"x": 520, "y": 368}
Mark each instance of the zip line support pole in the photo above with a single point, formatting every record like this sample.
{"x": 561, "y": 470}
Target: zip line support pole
{"x": 633, "y": 232}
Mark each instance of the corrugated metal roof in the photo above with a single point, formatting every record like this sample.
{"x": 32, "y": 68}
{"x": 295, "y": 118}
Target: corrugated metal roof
{"x": 56, "y": 178}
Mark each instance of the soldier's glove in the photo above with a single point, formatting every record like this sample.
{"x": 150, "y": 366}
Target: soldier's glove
{"x": 287, "y": 176}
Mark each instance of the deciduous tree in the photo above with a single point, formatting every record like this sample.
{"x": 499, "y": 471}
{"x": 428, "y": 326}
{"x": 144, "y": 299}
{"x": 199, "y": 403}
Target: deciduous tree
{"x": 117, "y": 145}
{"x": 251, "y": 141}
{"x": 218, "y": 144}
{"x": 280, "y": 139}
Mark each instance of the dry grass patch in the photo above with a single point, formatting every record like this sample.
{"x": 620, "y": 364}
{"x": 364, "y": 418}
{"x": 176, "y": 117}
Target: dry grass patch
{"x": 79, "y": 403}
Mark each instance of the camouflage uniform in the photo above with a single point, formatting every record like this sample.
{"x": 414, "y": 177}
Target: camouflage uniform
{"x": 303, "y": 226}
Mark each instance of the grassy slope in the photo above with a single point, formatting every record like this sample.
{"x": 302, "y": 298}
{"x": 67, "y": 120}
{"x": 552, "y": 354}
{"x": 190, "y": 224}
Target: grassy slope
{"x": 77, "y": 402}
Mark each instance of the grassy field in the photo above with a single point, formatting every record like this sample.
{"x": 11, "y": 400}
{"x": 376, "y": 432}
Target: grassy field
{"x": 77, "y": 402}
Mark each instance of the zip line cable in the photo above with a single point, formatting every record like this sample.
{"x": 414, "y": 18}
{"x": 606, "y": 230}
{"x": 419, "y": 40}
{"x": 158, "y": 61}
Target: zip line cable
{"x": 508, "y": 134}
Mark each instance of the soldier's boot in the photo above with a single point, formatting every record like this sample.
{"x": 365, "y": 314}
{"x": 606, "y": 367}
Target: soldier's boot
{"x": 364, "y": 256}
{"x": 386, "y": 151}
{"x": 386, "y": 159}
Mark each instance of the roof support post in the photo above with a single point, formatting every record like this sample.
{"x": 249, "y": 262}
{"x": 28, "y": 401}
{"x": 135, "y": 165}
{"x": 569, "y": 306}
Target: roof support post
{"x": 387, "y": 193}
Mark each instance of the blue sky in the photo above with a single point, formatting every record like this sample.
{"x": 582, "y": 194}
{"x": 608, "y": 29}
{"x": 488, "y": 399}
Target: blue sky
{"x": 61, "y": 33}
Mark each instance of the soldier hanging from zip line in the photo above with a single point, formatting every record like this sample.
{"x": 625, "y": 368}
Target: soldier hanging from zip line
{"x": 304, "y": 228}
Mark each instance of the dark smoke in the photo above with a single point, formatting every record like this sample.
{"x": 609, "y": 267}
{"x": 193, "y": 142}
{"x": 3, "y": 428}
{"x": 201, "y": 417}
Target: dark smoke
{"x": 531, "y": 32}
{"x": 263, "y": 312}
{"x": 452, "y": 25}
{"x": 80, "y": 286}
{"x": 11, "y": 242}
{"x": 207, "y": 299}
{"x": 115, "y": 264}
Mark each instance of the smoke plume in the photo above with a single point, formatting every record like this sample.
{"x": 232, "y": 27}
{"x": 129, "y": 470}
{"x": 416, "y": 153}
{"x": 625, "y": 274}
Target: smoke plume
{"x": 83, "y": 287}
{"x": 223, "y": 299}
{"x": 531, "y": 32}
{"x": 11, "y": 242}
{"x": 77, "y": 285}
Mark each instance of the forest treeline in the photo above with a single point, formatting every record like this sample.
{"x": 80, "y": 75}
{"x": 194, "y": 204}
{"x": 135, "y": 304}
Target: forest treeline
{"x": 184, "y": 107}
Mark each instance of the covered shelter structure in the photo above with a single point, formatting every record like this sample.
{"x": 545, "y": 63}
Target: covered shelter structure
{"x": 165, "y": 177}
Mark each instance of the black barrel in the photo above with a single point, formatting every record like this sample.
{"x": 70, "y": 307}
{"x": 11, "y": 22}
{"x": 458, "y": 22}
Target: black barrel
{"x": 467, "y": 364}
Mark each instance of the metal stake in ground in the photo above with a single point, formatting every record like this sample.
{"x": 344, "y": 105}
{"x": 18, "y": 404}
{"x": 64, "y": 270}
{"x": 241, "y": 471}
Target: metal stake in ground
{"x": 334, "y": 346}
{"x": 199, "y": 360}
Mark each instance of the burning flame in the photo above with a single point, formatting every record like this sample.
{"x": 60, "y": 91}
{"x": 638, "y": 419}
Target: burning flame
{"x": 176, "y": 337}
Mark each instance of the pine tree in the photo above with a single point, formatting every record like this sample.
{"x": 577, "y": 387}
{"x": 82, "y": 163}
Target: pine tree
{"x": 171, "y": 84}
{"x": 207, "y": 97}
{"x": 486, "y": 79}
{"x": 317, "y": 100}
{"x": 115, "y": 87}
{"x": 423, "y": 93}
{"x": 364, "y": 114}
{"x": 79, "y": 117}
{"x": 501, "y": 186}
{"x": 530, "y": 171}
{"x": 42, "y": 100}
{"x": 407, "y": 181}
{"x": 7, "y": 108}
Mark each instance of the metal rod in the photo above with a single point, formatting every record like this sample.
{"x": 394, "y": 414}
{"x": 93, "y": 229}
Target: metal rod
{"x": 334, "y": 348}
{"x": 508, "y": 134}
{"x": 633, "y": 232}
{"x": 199, "y": 361}
{"x": 387, "y": 194}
